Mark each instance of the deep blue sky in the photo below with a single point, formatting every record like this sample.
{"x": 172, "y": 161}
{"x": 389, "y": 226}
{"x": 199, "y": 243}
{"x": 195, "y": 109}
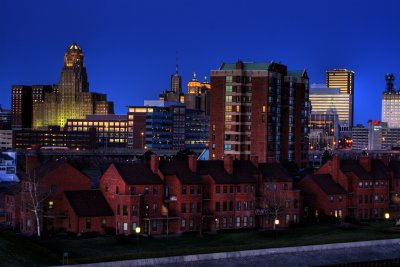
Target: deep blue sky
{"x": 130, "y": 46}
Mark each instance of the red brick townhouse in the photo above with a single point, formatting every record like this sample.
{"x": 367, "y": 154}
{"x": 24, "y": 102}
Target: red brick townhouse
{"x": 278, "y": 201}
{"x": 394, "y": 187}
{"x": 135, "y": 194}
{"x": 88, "y": 211}
{"x": 229, "y": 193}
{"x": 12, "y": 206}
{"x": 183, "y": 195}
{"x": 366, "y": 182}
{"x": 323, "y": 196}
{"x": 53, "y": 178}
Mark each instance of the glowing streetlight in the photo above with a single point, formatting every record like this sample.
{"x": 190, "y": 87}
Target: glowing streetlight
{"x": 387, "y": 215}
{"x": 276, "y": 222}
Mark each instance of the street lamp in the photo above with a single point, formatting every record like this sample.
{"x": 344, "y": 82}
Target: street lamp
{"x": 137, "y": 230}
{"x": 387, "y": 215}
{"x": 276, "y": 222}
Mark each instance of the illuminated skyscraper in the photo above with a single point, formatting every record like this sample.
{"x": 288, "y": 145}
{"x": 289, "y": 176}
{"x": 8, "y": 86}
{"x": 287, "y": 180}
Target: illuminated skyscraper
{"x": 331, "y": 101}
{"x": 344, "y": 80}
{"x": 71, "y": 99}
{"x": 391, "y": 103}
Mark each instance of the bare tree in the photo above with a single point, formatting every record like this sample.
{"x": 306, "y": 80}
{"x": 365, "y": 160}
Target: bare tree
{"x": 35, "y": 195}
{"x": 273, "y": 202}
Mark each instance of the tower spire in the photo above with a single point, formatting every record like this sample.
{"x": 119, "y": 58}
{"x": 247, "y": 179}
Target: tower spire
{"x": 176, "y": 67}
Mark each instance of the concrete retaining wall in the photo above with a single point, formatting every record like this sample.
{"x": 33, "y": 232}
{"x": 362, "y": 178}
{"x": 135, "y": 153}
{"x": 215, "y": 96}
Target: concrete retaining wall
{"x": 239, "y": 254}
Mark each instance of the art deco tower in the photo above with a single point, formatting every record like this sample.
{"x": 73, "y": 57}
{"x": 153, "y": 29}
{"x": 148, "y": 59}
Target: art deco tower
{"x": 71, "y": 99}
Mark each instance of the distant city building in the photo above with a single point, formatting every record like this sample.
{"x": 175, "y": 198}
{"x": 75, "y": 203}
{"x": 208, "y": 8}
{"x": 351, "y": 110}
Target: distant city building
{"x": 391, "y": 103}
{"x": 5, "y": 119}
{"x": 175, "y": 93}
{"x": 343, "y": 79}
{"x": 21, "y": 106}
{"x": 166, "y": 125}
{"x": 259, "y": 109}
{"x": 324, "y": 131}
{"x": 326, "y": 100}
{"x": 39, "y": 106}
{"x": 6, "y": 139}
{"x": 53, "y": 137}
{"x": 198, "y": 95}
{"x": 359, "y": 136}
{"x": 111, "y": 130}
{"x": 8, "y": 167}
{"x": 378, "y": 136}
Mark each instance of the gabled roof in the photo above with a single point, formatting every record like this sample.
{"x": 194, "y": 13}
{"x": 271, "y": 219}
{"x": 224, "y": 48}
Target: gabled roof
{"x": 88, "y": 203}
{"x": 243, "y": 171}
{"x": 180, "y": 168}
{"x": 326, "y": 183}
{"x": 274, "y": 172}
{"x": 5, "y": 157}
{"x": 137, "y": 173}
{"x": 378, "y": 169}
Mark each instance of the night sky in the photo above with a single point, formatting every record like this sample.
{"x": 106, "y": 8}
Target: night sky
{"x": 130, "y": 46}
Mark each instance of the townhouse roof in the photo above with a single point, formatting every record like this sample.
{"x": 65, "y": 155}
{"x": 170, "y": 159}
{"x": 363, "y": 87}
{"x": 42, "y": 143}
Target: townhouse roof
{"x": 243, "y": 171}
{"x": 326, "y": 183}
{"x": 88, "y": 203}
{"x": 137, "y": 173}
{"x": 5, "y": 157}
{"x": 274, "y": 172}
{"x": 378, "y": 169}
{"x": 180, "y": 168}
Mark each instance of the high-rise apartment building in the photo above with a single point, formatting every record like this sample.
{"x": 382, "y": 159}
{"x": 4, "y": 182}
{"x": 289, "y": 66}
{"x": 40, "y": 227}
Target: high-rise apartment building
{"x": 344, "y": 80}
{"x": 259, "y": 109}
{"x": 39, "y": 106}
{"x": 391, "y": 103}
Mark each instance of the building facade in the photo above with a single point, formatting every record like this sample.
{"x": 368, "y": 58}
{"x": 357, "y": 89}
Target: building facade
{"x": 343, "y": 79}
{"x": 332, "y": 101}
{"x": 39, "y": 106}
{"x": 166, "y": 126}
{"x": 259, "y": 109}
{"x": 111, "y": 130}
{"x": 5, "y": 119}
{"x": 391, "y": 103}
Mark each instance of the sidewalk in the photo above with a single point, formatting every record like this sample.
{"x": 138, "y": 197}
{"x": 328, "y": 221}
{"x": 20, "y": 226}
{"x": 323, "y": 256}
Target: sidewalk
{"x": 182, "y": 260}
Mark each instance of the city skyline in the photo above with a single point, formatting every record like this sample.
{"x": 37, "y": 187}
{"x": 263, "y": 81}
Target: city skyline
{"x": 131, "y": 48}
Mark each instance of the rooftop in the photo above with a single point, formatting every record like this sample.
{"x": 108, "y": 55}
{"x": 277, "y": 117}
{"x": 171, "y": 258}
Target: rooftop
{"x": 88, "y": 203}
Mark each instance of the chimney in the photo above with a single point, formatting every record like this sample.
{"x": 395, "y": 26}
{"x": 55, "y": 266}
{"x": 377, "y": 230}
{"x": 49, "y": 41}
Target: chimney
{"x": 31, "y": 161}
{"x": 154, "y": 160}
{"x": 228, "y": 164}
{"x": 365, "y": 162}
{"x": 193, "y": 163}
{"x": 335, "y": 167}
{"x": 239, "y": 65}
{"x": 254, "y": 160}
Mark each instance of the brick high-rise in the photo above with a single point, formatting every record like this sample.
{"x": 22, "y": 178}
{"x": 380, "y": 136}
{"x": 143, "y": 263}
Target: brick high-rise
{"x": 259, "y": 109}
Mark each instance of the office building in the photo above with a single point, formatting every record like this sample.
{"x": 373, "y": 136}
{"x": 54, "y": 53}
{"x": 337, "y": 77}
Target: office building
{"x": 6, "y": 139}
{"x": 326, "y": 100}
{"x": 5, "y": 119}
{"x": 344, "y": 80}
{"x": 111, "y": 130}
{"x": 391, "y": 103}
{"x": 53, "y": 137}
{"x": 259, "y": 109}
{"x": 175, "y": 93}
{"x": 39, "y": 106}
{"x": 359, "y": 135}
{"x": 21, "y": 106}
{"x": 324, "y": 131}
{"x": 198, "y": 95}
{"x": 166, "y": 125}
